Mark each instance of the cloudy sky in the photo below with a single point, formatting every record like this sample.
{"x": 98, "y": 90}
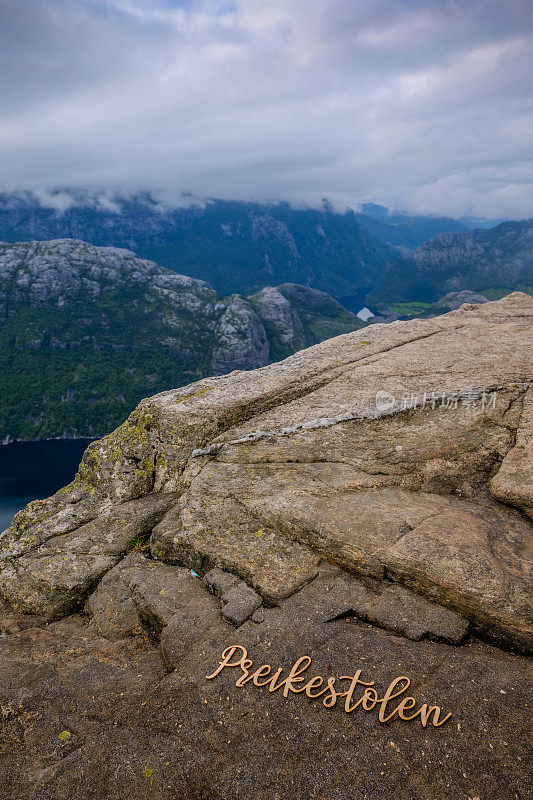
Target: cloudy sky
{"x": 424, "y": 105}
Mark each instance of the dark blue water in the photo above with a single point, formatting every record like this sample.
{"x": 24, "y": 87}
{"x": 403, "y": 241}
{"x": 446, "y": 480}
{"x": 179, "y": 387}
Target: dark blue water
{"x": 35, "y": 470}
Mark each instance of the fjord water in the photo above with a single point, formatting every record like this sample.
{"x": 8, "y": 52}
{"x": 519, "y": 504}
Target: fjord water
{"x": 34, "y": 470}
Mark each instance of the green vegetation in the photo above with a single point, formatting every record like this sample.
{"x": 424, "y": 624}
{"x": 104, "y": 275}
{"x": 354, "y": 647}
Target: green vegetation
{"x": 139, "y": 544}
{"x": 412, "y": 309}
{"x": 491, "y": 262}
{"x": 48, "y": 393}
{"x": 81, "y": 346}
{"x": 82, "y": 370}
{"x": 498, "y": 293}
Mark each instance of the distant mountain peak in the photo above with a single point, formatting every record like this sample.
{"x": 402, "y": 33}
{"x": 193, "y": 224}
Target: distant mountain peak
{"x": 491, "y": 262}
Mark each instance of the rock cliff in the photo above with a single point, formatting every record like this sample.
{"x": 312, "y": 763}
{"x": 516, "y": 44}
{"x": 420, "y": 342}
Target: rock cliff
{"x": 366, "y": 503}
{"x": 86, "y": 332}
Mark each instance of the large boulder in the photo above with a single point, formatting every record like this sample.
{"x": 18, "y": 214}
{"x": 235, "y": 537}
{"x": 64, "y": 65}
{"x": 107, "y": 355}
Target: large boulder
{"x": 365, "y": 503}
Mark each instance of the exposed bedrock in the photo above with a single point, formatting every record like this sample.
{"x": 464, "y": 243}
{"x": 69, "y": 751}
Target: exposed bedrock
{"x": 423, "y": 499}
{"x": 285, "y": 512}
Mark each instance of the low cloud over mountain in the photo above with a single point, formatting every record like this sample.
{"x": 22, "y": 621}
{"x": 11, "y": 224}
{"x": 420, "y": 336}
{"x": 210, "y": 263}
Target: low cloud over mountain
{"x": 418, "y": 104}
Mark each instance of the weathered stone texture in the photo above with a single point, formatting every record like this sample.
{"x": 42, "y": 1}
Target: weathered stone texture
{"x": 282, "y": 510}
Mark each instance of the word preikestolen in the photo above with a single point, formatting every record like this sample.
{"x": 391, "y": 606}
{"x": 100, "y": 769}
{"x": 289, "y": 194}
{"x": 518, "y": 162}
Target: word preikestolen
{"x": 358, "y": 693}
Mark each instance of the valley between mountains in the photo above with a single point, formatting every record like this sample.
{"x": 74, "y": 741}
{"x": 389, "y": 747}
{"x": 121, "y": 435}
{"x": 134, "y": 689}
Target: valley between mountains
{"x": 87, "y": 331}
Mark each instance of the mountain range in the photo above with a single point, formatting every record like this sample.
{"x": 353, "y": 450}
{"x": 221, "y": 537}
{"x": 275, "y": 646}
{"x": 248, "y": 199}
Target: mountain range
{"x": 405, "y": 232}
{"x": 235, "y": 246}
{"x": 86, "y": 331}
{"x": 494, "y": 262}
{"x": 88, "y": 328}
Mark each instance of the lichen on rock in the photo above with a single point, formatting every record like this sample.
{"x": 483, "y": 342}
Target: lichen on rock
{"x": 268, "y": 474}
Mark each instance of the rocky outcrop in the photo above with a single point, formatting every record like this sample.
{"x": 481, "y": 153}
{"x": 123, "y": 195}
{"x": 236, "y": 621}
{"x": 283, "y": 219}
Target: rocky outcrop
{"x": 277, "y": 315}
{"x": 513, "y": 483}
{"x": 111, "y": 328}
{"x": 454, "y": 300}
{"x": 60, "y": 572}
{"x": 295, "y": 317}
{"x": 276, "y": 471}
{"x": 366, "y": 504}
{"x": 241, "y": 340}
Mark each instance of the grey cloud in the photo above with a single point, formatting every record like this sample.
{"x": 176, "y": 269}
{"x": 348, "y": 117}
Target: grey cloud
{"x": 421, "y": 104}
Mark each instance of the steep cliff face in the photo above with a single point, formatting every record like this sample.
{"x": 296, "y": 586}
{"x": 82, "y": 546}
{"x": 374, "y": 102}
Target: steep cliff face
{"x": 86, "y": 332}
{"x": 379, "y": 482}
{"x": 496, "y": 260}
{"x": 241, "y": 340}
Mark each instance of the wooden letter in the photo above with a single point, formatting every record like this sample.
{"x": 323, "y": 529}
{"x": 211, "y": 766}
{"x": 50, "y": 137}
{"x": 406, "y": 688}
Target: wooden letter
{"x": 370, "y": 696}
{"x": 330, "y": 700}
{"x": 349, "y": 694}
{"x": 426, "y": 712}
{"x": 389, "y": 694}
{"x": 316, "y": 681}
{"x": 245, "y": 665}
{"x": 273, "y": 685}
{"x": 227, "y": 655}
{"x": 298, "y": 667}
{"x": 406, "y": 704}
{"x": 263, "y": 670}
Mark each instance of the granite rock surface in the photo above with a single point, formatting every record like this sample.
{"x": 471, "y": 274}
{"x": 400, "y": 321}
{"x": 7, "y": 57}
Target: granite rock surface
{"x": 366, "y": 502}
